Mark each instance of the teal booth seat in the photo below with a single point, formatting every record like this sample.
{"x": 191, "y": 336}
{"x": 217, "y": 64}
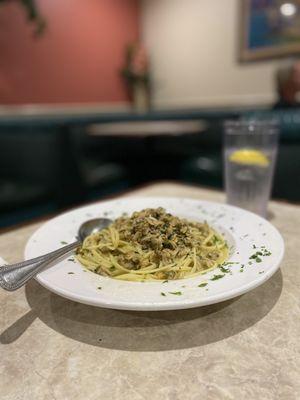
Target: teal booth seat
{"x": 43, "y": 170}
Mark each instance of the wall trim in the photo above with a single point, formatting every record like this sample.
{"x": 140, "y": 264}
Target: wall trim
{"x": 64, "y": 108}
{"x": 226, "y": 101}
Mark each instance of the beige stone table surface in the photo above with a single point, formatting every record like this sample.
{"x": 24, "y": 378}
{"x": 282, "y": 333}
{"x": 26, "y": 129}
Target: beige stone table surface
{"x": 246, "y": 348}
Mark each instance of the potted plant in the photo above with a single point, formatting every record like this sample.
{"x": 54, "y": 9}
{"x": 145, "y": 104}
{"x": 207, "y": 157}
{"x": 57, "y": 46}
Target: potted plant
{"x": 33, "y": 14}
{"x": 137, "y": 76}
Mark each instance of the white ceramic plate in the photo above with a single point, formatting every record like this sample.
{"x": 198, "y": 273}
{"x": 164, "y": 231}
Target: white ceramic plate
{"x": 246, "y": 233}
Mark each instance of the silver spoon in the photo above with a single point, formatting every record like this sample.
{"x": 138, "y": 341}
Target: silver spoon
{"x": 13, "y": 276}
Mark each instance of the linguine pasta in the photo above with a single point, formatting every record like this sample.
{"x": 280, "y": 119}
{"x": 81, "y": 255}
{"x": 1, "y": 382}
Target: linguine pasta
{"x": 153, "y": 245}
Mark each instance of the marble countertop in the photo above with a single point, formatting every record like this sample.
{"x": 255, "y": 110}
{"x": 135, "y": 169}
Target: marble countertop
{"x": 246, "y": 348}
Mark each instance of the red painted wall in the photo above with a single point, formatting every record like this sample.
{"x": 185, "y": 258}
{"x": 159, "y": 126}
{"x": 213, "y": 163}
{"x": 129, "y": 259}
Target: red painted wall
{"x": 76, "y": 60}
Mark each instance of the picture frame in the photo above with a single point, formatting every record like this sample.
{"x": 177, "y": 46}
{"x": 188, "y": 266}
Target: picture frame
{"x": 269, "y": 29}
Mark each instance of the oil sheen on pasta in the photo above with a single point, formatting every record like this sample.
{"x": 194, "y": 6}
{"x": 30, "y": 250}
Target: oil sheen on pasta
{"x": 153, "y": 245}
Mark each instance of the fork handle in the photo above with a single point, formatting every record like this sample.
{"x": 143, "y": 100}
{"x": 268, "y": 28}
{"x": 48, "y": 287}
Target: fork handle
{"x": 13, "y": 276}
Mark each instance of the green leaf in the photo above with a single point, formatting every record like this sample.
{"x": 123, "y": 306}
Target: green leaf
{"x": 216, "y": 277}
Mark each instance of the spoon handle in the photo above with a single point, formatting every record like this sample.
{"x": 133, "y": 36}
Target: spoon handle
{"x": 13, "y": 276}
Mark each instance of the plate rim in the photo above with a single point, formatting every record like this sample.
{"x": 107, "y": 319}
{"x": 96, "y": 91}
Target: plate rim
{"x": 166, "y": 305}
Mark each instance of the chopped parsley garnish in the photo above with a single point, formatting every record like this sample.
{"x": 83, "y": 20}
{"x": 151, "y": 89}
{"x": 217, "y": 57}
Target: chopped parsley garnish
{"x": 224, "y": 270}
{"x": 63, "y": 242}
{"x": 254, "y": 247}
{"x": 216, "y": 277}
{"x": 70, "y": 273}
{"x": 162, "y": 293}
{"x": 112, "y": 268}
{"x": 230, "y": 263}
{"x": 241, "y": 270}
{"x": 166, "y": 281}
{"x": 71, "y": 259}
{"x": 176, "y": 293}
{"x": 99, "y": 287}
{"x": 261, "y": 272}
{"x": 202, "y": 284}
{"x": 257, "y": 256}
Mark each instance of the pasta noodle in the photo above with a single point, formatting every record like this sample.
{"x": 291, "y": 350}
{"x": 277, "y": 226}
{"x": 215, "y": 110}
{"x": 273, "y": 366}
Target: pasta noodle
{"x": 153, "y": 245}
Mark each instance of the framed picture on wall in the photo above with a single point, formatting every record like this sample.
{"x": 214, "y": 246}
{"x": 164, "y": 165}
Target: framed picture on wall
{"x": 269, "y": 28}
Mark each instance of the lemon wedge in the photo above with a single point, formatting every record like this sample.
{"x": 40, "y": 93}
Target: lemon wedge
{"x": 249, "y": 157}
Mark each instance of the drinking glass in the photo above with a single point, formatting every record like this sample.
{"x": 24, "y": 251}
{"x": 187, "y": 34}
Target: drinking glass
{"x": 250, "y": 149}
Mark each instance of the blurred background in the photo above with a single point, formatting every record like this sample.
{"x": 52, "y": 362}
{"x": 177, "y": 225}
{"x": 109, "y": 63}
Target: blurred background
{"x": 100, "y": 96}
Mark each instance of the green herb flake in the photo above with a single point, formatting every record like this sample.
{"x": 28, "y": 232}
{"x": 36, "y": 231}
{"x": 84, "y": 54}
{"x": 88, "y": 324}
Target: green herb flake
{"x": 99, "y": 287}
{"x": 254, "y": 247}
{"x": 70, "y": 273}
{"x": 261, "y": 272}
{"x": 176, "y": 293}
{"x": 215, "y": 239}
{"x": 71, "y": 259}
{"x": 203, "y": 284}
{"x": 112, "y": 268}
{"x": 216, "y": 277}
{"x": 256, "y": 256}
{"x": 230, "y": 263}
{"x": 241, "y": 270}
{"x": 162, "y": 294}
{"x": 63, "y": 242}
{"x": 166, "y": 281}
{"x": 224, "y": 270}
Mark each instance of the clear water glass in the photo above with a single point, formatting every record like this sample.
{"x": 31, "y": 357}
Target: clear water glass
{"x": 250, "y": 150}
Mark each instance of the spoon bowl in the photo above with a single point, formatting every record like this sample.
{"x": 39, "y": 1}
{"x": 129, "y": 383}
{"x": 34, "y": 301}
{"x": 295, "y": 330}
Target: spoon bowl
{"x": 92, "y": 226}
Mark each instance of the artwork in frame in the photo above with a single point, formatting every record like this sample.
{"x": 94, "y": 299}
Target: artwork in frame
{"x": 270, "y": 28}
